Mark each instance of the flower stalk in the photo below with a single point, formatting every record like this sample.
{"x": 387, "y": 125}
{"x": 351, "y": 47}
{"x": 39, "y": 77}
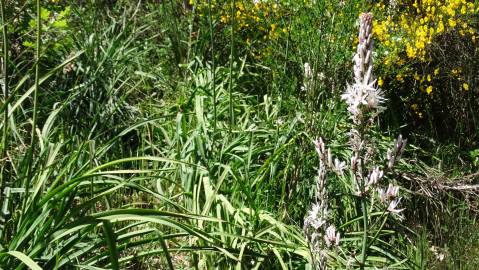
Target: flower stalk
{"x": 364, "y": 100}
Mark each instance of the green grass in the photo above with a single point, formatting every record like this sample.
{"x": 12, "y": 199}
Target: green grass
{"x": 155, "y": 137}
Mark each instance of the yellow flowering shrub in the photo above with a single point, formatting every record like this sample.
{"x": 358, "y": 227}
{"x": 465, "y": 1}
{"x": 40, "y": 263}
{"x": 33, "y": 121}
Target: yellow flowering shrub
{"x": 255, "y": 24}
{"x": 414, "y": 30}
{"x": 422, "y": 51}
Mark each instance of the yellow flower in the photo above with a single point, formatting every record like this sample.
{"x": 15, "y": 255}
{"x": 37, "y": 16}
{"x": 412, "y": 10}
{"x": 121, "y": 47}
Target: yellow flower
{"x": 452, "y": 22}
{"x": 436, "y": 71}
{"x": 471, "y": 7}
{"x": 224, "y": 18}
{"x": 240, "y": 6}
{"x": 465, "y": 86}
{"x": 440, "y": 27}
{"x": 411, "y": 53}
{"x": 380, "y": 82}
{"x": 399, "y": 78}
{"x": 429, "y": 89}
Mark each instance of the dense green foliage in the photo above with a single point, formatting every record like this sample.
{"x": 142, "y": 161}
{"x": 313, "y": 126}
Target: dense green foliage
{"x": 179, "y": 135}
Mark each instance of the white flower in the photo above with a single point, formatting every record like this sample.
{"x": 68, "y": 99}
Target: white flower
{"x": 393, "y": 206}
{"x": 354, "y": 97}
{"x": 435, "y": 251}
{"x": 389, "y": 196}
{"x": 331, "y": 237}
{"x": 280, "y": 121}
{"x": 359, "y": 94}
{"x": 339, "y": 166}
{"x": 321, "y": 76}
{"x": 375, "y": 176}
{"x": 315, "y": 218}
{"x": 374, "y": 98}
{"x": 382, "y": 195}
{"x": 308, "y": 72}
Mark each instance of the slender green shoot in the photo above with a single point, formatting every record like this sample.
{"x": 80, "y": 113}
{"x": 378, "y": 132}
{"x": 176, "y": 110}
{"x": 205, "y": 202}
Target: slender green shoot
{"x": 365, "y": 232}
{"x": 230, "y": 84}
{"x": 35, "y": 104}
{"x": 213, "y": 63}
{"x": 6, "y": 97}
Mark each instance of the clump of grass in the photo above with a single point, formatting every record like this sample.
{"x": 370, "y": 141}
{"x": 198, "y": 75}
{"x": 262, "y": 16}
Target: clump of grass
{"x": 173, "y": 143}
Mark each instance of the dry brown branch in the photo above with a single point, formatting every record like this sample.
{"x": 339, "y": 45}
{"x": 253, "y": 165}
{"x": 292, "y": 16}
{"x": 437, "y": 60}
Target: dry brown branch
{"x": 436, "y": 185}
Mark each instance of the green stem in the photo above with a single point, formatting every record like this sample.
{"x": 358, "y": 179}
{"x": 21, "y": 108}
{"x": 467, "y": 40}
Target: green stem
{"x": 213, "y": 64}
{"x": 379, "y": 230}
{"x": 365, "y": 233}
{"x": 231, "y": 112}
{"x": 4, "y": 175}
{"x": 176, "y": 39}
{"x": 6, "y": 93}
{"x": 361, "y": 130}
{"x": 35, "y": 104}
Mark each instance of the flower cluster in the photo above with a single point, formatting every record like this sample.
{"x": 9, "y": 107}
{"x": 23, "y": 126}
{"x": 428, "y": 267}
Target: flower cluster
{"x": 363, "y": 95}
{"x": 310, "y": 78}
{"x": 410, "y": 33}
{"x": 257, "y": 25}
{"x": 364, "y": 100}
{"x": 320, "y": 232}
{"x": 251, "y": 19}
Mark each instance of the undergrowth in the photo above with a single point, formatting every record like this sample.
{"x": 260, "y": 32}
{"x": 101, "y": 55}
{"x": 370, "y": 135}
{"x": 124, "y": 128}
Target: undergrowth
{"x": 174, "y": 135}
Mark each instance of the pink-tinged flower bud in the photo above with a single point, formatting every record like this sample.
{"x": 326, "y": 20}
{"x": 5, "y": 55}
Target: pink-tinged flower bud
{"x": 331, "y": 237}
{"x": 354, "y": 163}
{"x": 375, "y": 176}
{"x": 400, "y": 145}
{"x": 392, "y": 192}
{"x": 390, "y": 158}
{"x": 330, "y": 158}
{"x": 382, "y": 195}
{"x": 308, "y": 72}
{"x": 319, "y": 146}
